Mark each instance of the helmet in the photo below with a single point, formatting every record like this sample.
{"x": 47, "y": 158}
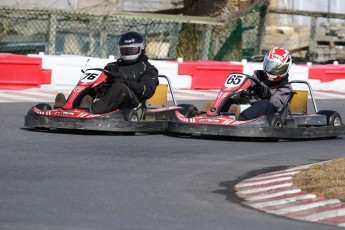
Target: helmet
{"x": 131, "y": 46}
{"x": 277, "y": 64}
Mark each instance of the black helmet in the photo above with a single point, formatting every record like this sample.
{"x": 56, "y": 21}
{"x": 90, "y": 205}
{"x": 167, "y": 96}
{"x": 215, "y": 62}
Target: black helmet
{"x": 131, "y": 46}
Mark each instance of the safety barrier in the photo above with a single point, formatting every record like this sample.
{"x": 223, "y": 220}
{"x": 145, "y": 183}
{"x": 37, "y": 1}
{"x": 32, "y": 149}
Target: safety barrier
{"x": 327, "y": 73}
{"x": 208, "y": 74}
{"x": 22, "y": 72}
{"x": 39, "y": 70}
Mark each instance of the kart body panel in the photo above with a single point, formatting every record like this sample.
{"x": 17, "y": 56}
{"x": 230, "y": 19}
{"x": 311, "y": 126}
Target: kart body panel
{"x": 70, "y": 116}
{"x": 285, "y": 124}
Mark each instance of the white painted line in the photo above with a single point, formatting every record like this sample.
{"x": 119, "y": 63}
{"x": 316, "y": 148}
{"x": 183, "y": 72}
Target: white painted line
{"x": 324, "y": 215}
{"x": 264, "y": 188}
{"x": 328, "y": 95}
{"x": 283, "y": 201}
{"x": 261, "y": 178}
{"x": 267, "y": 196}
{"x": 302, "y": 207}
{"x": 244, "y": 184}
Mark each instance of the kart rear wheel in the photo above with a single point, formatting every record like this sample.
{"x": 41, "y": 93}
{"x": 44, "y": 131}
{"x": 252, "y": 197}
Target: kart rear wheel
{"x": 333, "y": 117}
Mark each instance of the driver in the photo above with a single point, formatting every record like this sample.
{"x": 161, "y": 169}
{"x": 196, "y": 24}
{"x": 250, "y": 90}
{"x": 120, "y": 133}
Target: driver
{"x": 274, "y": 88}
{"x": 134, "y": 78}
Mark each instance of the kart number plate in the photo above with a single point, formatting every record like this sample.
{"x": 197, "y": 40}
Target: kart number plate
{"x": 90, "y": 76}
{"x": 234, "y": 80}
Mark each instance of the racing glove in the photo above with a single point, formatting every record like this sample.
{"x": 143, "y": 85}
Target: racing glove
{"x": 240, "y": 100}
{"x": 262, "y": 91}
{"x": 117, "y": 77}
{"x": 121, "y": 79}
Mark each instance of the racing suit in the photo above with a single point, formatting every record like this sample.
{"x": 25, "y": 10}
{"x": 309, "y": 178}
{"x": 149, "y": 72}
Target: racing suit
{"x": 269, "y": 103}
{"x": 131, "y": 84}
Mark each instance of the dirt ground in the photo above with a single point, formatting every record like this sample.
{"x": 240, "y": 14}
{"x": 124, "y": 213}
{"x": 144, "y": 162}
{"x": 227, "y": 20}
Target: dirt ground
{"x": 326, "y": 179}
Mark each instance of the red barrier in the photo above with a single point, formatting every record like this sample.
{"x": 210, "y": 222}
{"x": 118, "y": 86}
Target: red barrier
{"x": 22, "y": 72}
{"x": 208, "y": 74}
{"x": 326, "y": 73}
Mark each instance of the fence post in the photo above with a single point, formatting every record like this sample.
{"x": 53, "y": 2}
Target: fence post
{"x": 261, "y": 29}
{"x": 103, "y": 37}
{"x": 174, "y": 32}
{"x": 206, "y": 41}
{"x": 312, "y": 38}
{"x": 52, "y": 34}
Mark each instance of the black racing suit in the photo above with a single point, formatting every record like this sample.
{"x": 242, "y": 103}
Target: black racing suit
{"x": 132, "y": 83}
{"x": 278, "y": 95}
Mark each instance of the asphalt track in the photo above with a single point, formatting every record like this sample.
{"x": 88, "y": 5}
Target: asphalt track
{"x": 100, "y": 181}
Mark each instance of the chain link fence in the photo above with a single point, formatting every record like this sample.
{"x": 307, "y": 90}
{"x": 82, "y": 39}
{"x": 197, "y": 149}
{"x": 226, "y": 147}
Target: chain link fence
{"x": 168, "y": 37}
{"x": 310, "y": 36}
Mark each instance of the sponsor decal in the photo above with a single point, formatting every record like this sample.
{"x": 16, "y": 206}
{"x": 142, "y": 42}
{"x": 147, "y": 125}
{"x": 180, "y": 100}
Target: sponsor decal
{"x": 65, "y": 113}
{"x": 208, "y": 120}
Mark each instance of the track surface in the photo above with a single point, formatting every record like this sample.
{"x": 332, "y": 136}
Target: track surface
{"x": 99, "y": 181}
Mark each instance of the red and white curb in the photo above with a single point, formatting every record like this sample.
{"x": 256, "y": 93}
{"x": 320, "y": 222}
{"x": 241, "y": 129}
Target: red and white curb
{"x": 274, "y": 193}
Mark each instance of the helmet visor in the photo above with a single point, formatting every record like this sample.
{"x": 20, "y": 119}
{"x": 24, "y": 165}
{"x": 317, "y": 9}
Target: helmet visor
{"x": 129, "y": 50}
{"x": 275, "y": 67}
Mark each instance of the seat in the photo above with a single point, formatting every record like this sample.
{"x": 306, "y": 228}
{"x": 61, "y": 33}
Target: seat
{"x": 160, "y": 98}
{"x": 299, "y": 102}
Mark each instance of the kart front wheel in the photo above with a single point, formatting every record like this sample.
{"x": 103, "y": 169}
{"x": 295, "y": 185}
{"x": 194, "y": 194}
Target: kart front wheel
{"x": 188, "y": 110}
{"x": 130, "y": 115}
{"x": 43, "y": 107}
{"x": 277, "y": 122}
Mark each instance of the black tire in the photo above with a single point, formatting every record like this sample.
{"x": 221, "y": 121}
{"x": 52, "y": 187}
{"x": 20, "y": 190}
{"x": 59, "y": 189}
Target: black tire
{"x": 333, "y": 117}
{"x": 277, "y": 122}
{"x": 130, "y": 115}
{"x": 188, "y": 110}
{"x": 44, "y": 107}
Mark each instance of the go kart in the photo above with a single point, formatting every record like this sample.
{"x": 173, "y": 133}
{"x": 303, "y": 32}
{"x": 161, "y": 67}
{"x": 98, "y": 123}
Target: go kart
{"x": 150, "y": 116}
{"x": 292, "y": 122}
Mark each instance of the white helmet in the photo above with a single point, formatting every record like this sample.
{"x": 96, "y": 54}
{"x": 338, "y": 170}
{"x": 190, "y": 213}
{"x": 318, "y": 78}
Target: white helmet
{"x": 277, "y": 64}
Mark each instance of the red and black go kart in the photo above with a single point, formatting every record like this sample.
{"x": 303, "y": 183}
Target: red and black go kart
{"x": 292, "y": 122}
{"x": 151, "y": 116}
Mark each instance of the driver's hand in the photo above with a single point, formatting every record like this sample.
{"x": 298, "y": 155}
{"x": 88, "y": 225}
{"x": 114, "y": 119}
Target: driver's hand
{"x": 240, "y": 100}
{"x": 121, "y": 79}
{"x": 262, "y": 91}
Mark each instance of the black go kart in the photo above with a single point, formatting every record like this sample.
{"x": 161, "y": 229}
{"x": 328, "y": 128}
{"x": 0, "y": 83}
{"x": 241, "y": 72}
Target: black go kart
{"x": 150, "y": 116}
{"x": 292, "y": 122}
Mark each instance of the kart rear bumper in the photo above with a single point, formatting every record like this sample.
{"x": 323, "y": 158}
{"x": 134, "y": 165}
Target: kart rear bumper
{"x": 257, "y": 132}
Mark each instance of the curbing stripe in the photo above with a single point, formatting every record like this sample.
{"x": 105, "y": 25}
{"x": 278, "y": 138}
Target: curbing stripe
{"x": 302, "y": 207}
{"x": 273, "y": 195}
{"x": 245, "y": 184}
{"x": 324, "y": 215}
{"x": 264, "y": 188}
{"x": 283, "y": 201}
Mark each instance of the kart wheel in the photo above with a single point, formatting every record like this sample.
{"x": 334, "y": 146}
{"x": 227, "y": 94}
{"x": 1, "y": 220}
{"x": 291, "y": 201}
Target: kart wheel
{"x": 276, "y": 122}
{"x": 333, "y": 117}
{"x": 188, "y": 110}
{"x": 130, "y": 115}
{"x": 44, "y": 107}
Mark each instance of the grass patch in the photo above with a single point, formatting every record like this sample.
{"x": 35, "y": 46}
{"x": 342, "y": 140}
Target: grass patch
{"x": 325, "y": 179}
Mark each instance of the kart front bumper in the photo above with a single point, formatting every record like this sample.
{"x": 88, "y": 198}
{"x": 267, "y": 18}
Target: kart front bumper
{"x": 93, "y": 124}
{"x": 269, "y": 133}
